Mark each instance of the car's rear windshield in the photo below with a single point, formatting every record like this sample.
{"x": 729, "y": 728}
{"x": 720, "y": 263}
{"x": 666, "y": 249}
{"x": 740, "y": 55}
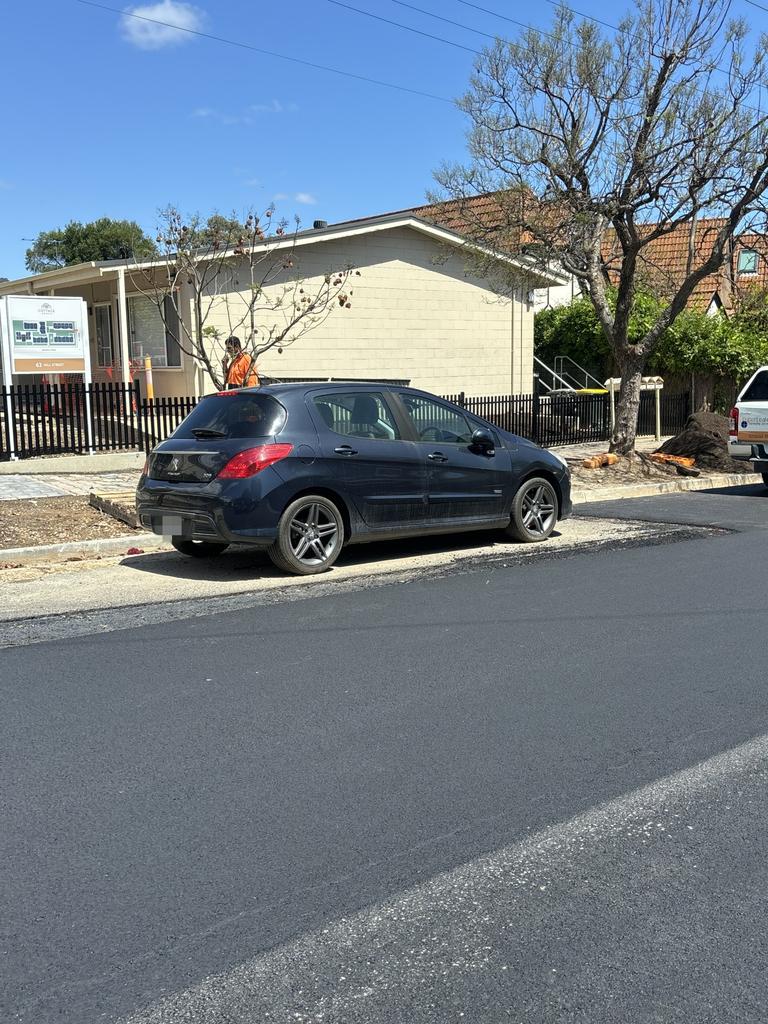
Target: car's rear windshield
{"x": 234, "y": 414}
{"x": 758, "y": 389}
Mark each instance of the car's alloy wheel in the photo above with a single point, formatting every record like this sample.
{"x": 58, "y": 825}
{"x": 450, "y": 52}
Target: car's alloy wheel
{"x": 534, "y": 511}
{"x": 309, "y": 536}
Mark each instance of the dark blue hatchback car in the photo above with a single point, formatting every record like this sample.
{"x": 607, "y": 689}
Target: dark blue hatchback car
{"x": 303, "y": 469}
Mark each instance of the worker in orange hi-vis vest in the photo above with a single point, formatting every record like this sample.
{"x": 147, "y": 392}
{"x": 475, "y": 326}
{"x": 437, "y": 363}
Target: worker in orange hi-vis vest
{"x": 239, "y": 368}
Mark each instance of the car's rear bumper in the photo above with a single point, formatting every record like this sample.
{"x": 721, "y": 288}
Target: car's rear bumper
{"x": 189, "y": 525}
{"x": 756, "y": 454}
{"x": 197, "y": 514}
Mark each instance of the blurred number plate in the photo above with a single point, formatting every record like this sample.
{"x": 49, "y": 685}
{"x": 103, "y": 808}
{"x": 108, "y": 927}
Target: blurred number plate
{"x": 172, "y": 526}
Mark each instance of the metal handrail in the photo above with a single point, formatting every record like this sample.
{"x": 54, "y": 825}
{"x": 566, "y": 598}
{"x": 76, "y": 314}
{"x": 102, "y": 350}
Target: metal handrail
{"x": 555, "y": 376}
{"x": 560, "y": 360}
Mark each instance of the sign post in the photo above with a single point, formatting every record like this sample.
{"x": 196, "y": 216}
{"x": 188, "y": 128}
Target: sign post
{"x": 44, "y": 334}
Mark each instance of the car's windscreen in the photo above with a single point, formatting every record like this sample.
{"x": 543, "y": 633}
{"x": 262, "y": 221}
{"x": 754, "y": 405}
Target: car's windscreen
{"x": 234, "y": 414}
{"x": 758, "y": 389}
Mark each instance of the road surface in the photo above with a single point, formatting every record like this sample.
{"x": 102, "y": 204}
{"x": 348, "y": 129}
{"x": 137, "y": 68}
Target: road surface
{"x": 533, "y": 792}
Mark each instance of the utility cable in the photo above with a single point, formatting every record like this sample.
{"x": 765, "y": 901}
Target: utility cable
{"x": 268, "y": 53}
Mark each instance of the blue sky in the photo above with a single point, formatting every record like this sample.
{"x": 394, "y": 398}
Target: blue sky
{"x": 109, "y": 116}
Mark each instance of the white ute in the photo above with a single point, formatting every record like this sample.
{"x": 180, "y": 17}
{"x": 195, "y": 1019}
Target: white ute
{"x": 748, "y": 432}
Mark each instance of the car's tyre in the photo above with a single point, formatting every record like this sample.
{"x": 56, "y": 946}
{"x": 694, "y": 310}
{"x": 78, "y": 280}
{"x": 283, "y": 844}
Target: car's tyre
{"x": 198, "y": 548}
{"x": 534, "y": 511}
{"x": 765, "y": 479}
{"x": 310, "y": 535}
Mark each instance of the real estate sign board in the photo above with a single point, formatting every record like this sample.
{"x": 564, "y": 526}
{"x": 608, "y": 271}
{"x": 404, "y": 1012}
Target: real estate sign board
{"x": 44, "y": 334}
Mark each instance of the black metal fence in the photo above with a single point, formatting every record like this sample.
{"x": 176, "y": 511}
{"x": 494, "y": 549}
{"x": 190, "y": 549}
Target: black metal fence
{"x": 53, "y": 419}
{"x": 59, "y": 419}
{"x": 571, "y": 418}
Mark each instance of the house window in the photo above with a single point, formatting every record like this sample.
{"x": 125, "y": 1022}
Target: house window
{"x": 747, "y": 261}
{"x": 153, "y": 334}
{"x": 105, "y": 344}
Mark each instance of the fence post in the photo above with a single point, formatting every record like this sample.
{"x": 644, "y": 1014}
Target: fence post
{"x": 535, "y": 413}
{"x": 135, "y": 399}
{"x": 88, "y": 394}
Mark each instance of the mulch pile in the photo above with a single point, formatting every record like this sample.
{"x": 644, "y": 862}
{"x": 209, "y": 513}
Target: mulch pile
{"x": 705, "y": 439}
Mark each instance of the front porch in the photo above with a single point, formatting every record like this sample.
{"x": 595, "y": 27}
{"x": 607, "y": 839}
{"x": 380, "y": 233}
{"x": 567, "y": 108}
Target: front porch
{"x": 124, "y": 326}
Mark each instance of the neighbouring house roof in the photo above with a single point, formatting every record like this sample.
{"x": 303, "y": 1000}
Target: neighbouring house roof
{"x": 662, "y": 264}
{"x": 85, "y": 273}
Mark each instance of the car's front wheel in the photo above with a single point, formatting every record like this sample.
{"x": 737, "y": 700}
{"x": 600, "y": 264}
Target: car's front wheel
{"x": 309, "y": 536}
{"x": 198, "y": 548}
{"x": 534, "y": 511}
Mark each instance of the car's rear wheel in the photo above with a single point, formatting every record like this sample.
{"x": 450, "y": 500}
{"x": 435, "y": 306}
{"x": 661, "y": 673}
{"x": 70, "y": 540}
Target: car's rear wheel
{"x": 309, "y": 536}
{"x": 765, "y": 479}
{"x": 198, "y": 548}
{"x": 534, "y": 511}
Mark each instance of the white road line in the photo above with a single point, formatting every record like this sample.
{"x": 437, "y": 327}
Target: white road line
{"x": 442, "y": 926}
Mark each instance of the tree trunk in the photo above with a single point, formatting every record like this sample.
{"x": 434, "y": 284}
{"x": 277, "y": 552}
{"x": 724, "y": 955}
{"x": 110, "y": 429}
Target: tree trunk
{"x": 628, "y": 407}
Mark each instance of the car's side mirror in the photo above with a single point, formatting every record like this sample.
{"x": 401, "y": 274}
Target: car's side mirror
{"x": 482, "y": 441}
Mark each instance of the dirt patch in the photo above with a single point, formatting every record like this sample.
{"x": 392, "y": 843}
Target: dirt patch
{"x": 632, "y": 470}
{"x": 33, "y": 521}
{"x": 705, "y": 439}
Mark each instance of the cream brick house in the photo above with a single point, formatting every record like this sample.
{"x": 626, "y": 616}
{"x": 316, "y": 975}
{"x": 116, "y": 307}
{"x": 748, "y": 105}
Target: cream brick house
{"x": 420, "y": 313}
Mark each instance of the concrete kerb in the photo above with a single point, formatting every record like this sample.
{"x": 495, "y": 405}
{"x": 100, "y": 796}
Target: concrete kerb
{"x": 78, "y": 549}
{"x": 90, "y": 465}
{"x": 639, "y": 490}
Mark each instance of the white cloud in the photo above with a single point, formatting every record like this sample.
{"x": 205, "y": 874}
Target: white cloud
{"x": 254, "y": 182}
{"x": 249, "y": 115}
{"x": 5, "y": 185}
{"x": 167, "y": 23}
{"x": 306, "y": 198}
{"x": 274, "y": 107}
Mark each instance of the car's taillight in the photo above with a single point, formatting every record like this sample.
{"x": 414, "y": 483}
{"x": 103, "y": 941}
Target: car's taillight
{"x": 145, "y": 471}
{"x": 253, "y": 460}
{"x": 733, "y": 422}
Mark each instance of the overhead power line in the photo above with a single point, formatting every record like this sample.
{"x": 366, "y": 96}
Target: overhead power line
{"x": 448, "y": 21}
{"x": 553, "y": 3}
{"x": 268, "y": 53}
{"x": 406, "y": 28}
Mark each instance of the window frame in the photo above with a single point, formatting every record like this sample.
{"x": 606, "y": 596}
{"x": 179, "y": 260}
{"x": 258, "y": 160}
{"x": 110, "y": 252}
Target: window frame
{"x": 169, "y": 340}
{"x": 384, "y": 397}
{"x": 110, "y": 321}
{"x": 435, "y": 400}
{"x": 756, "y": 261}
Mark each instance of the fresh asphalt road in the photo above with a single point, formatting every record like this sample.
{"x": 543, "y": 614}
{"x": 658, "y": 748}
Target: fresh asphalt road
{"x": 534, "y": 793}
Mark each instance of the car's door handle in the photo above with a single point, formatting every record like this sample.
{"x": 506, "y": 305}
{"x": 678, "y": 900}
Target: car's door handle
{"x": 438, "y": 457}
{"x": 344, "y": 449}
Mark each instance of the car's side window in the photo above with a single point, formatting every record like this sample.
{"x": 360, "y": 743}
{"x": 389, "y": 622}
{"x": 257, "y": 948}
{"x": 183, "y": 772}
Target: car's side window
{"x": 435, "y": 422}
{"x": 357, "y": 414}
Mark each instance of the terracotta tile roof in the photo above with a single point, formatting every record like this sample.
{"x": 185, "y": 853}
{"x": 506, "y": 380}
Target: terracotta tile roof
{"x": 662, "y": 262}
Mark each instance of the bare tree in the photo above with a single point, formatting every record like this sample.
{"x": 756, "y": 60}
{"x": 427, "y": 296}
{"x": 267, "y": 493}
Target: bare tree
{"x": 226, "y": 276}
{"x": 600, "y": 145}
